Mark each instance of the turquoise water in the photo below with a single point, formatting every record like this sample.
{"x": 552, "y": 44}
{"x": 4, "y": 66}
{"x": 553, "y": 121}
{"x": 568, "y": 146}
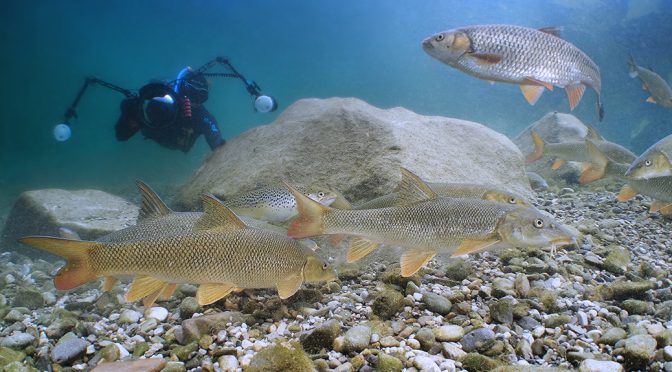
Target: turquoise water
{"x": 293, "y": 49}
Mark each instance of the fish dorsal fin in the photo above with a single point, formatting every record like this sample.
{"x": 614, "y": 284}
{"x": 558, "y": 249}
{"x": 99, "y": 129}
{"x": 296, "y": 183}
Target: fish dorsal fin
{"x": 211, "y": 292}
{"x": 414, "y": 259}
{"x": 486, "y": 58}
{"x": 143, "y": 286}
{"x": 593, "y": 134}
{"x": 359, "y": 247}
{"x": 474, "y": 246}
{"x": 412, "y": 189}
{"x": 152, "y": 205}
{"x": 532, "y": 92}
{"x": 289, "y": 285}
{"x": 626, "y": 193}
{"x": 552, "y": 30}
{"x": 217, "y": 217}
{"x": 597, "y": 166}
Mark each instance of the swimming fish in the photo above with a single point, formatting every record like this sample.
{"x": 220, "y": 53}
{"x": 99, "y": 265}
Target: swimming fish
{"x": 658, "y": 188}
{"x": 222, "y": 254}
{"x": 575, "y": 151}
{"x": 534, "y": 59}
{"x": 454, "y": 190}
{"x": 427, "y": 224}
{"x": 656, "y": 161}
{"x": 599, "y": 165}
{"x": 275, "y": 203}
{"x": 661, "y": 93}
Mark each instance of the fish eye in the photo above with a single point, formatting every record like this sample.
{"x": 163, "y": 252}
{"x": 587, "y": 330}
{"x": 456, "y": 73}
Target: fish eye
{"x": 647, "y": 162}
{"x": 512, "y": 200}
{"x": 439, "y": 37}
{"x": 325, "y": 266}
{"x": 320, "y": 194}
{"x": 538, "y": 223}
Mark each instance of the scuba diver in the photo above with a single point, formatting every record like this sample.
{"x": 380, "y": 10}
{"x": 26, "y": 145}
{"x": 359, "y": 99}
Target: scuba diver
{"x": 172, "y": 114}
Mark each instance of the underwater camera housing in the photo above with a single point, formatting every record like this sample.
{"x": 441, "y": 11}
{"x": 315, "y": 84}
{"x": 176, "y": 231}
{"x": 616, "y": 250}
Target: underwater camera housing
{"x": 158, "y": 104}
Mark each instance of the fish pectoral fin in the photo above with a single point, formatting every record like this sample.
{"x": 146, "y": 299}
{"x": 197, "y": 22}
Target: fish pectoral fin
{"x": 626, "y": 193}
{"x": 149, "y": 300}
{"x": 656, "y": 206}
{"x": 651, "y": 100}
{"x": 473, "y": 246}
{"x": 414, "y": 259}
{"x": 208, "y": 293}
{"x": 666, "y": 209}
{"x": 538, "y": 148}
{"x": 143, "y": 286}
{"x": 110, "y": 282}
{"x": 288, "y": 286}
{"x": 532, "y": 92}
{"x": 552, "y": 30}
{"x": 216, "y": 216}
{"x": 359, "y": 247}
{"x": 533, "y": 81}
{"x": 486, "y": 58}
{"x": 168, "y": 291}
{"x": 152, "y": 205}
{"x": 413, "y": 189}
{"x": 574, "y": 94}
{"x": 557, "y": 164}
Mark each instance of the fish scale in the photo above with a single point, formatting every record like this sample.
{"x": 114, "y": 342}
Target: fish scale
{"x": 547, "y": 57}
{"x": 659, "y": 188}
{"x": 437, "y": 224}
{"x": 247, "y": 257}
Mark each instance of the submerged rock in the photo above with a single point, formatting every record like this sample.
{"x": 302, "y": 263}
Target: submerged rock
{"x": 321, "y": 337}
{"x": 68, "y": 348}
{"x": 387, "y": 303}
{"x": 370, "y": 146}
{"x": 437, "y": 304}
{"x": 90, "y": 213}
{"x": 142, "y": 365}
{"x": 281, "y": 357}
{"x": 357, "y": 338}
{"x": 192, "y": 329}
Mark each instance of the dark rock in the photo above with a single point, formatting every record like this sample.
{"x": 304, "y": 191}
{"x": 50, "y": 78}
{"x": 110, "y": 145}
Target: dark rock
{"x": 437, "y": 304}
{"x": 281, "y": 357}
{"x": 426, "y": 338}
{"x": 459, "y": 269}
{"x": 321, "y": 337}
{"x": 387, "y": 303}
{"x": 194, "y": 328}
{"x": 480, "y": 339}
{"x": 68, "y": 348}
{"x": 28, "y": 297}
{"x": 502, "y": 312}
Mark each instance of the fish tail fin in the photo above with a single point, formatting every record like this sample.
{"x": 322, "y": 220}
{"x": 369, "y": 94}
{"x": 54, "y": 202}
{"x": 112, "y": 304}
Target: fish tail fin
{"x": 310, "y": 221}
{"x": 600, "y": 108}
{"x": 538, "y": 148}
{"x": 597, "y": 166}
{"x": 78, "y": 269}
{"x": 633, "y": 67}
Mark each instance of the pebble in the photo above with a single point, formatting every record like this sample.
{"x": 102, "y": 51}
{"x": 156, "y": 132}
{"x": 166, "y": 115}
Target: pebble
{"x": 228, "y": 363}
{"x": 449, "y": 333}
{"x": 158, "y": 313}
{"x": 68, "y": 348}
{"x": 129, "y": 317}
{"x": 436, "y": 303}
{"x": 389, "y": 341}
{"x": 592, "y": 365}
{"x": 477, "y": 340}
{"x": 17, "y": 340}
{"x": 425, "y": 364}
{"x": 357, "y": 338}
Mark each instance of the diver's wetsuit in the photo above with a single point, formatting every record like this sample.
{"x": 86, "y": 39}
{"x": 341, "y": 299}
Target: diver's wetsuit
{"x": 179, "y": 132}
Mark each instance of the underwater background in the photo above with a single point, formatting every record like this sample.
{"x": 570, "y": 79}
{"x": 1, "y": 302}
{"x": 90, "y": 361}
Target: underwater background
{"x": 293, "y": 49}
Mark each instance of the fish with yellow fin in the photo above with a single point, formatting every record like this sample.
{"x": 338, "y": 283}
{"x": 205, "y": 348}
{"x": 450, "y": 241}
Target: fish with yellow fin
{"x": 533, "y": 59}
{"x": 453, "y": 190}
{"x": 599, "y": 165}
{"x": 221, "y": 254}
{"x": 656, "y": 161}
{"x": 576, "y": 150}
{"x": 657, "y": 188}
{"x": 427, "y": 224}
{"x": 660, "y": 91}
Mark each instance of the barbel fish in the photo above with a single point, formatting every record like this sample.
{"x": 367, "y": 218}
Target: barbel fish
{"x": 221, "y": 254}
{"x": 427, "y": 224}
{"x": 656, "y": 161}
{"x": 660, "y": 91}
{"x": 534, "y": 59}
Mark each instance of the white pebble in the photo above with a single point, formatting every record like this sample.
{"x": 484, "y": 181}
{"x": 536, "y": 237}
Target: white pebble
{"x": 426, "y": 364}
{"x": 246, "y": 344}
{"x": 123, "y": 353}
{"x": 158, "y": 313}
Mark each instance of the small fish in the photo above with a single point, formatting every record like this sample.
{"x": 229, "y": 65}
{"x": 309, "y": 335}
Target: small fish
{"x": 533, "y": 59}
{"x": 427, "y": 224}
{"x": 221, "y": 254}
{"x": 537, "y": 182}
{"x": 660, "y": 91}
{"x": 599, "y": 165}
{"x": 275, "y": 203}
{"x": 658, "y": 188}
{"x": 656, "y": 161}
{"x": 575, "y": 151}
{"x": 453, "y": 190}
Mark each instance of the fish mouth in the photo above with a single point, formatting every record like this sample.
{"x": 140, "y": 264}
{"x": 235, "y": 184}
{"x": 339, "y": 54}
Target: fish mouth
{"x": 427, "y": 44}
{"x": 559, "y": 242}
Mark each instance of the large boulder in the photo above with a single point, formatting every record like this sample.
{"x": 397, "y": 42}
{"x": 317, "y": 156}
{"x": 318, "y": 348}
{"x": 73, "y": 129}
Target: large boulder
{"x": 553, "y": 127}
{"x": 355, "y": 148}
{"x": 90, "y": 213}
